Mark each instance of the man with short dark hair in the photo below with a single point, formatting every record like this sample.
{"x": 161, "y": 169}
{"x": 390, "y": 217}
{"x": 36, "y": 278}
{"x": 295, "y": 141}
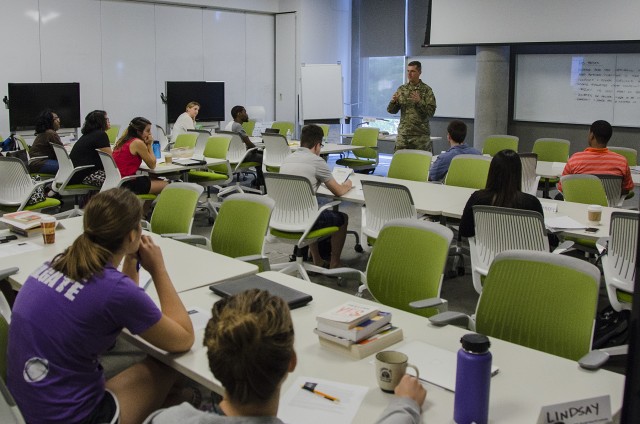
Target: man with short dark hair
{"x": 306, "y": 162}
{"x": 597, "y": 159}
{"x": 416, "y": 103}
{"x": 239, "y": 115}
{"x": 456, "y": 133}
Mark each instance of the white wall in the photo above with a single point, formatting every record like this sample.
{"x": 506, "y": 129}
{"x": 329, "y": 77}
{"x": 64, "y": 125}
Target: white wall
{"x": 122, "y": 52}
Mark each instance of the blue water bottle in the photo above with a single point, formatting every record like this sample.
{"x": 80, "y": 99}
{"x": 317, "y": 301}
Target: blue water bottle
{"x": 473, "y": 380}
{"x": 156, "y": 149}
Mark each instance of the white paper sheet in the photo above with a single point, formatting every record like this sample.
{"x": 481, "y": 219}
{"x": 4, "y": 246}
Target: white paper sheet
{"x": 10, "y": 249}
{"x": 563, "y": 222}
{"x": 302, "y": 406}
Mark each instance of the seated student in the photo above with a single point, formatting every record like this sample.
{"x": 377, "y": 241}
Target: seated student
{"x": 259, "y": 327}
{"x": 239, "y": 115}
{"x": 135, "y": 146}
{"x": 186, "y": 121}
{"x": 306, "y": 162}
{"x": 456, "y": 133}
{"x": 71, "y": 310}
{"x": 502, "y": 189}
{"x": 597, "y": 159}
{"x": 47, "y": 123}
{"x": 84, "y": 152}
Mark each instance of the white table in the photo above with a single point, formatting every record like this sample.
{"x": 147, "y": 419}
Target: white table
{"x": 327, "y": 148}
{"x": 386, "y": 137}
{"x": 554, "y": 170}
{"x": 189, "y": 267}
{"x": 528, "y": 379}
{"x": 163, "y": 168}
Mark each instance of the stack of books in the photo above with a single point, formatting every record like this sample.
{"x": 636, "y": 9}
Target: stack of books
{"x": 356, "y": 329}
{"x": 25, "y": 223}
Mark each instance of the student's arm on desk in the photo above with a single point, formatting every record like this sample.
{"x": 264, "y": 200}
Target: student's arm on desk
{"x": 338, "y": 189}
{"x": 174, "y": 332}
{"x": 405, "y": 406}
{"x": 144, "y": 149}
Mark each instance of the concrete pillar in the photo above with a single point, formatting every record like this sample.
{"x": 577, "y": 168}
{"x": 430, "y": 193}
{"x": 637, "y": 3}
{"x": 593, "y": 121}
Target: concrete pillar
{"x": 492, "y": 92}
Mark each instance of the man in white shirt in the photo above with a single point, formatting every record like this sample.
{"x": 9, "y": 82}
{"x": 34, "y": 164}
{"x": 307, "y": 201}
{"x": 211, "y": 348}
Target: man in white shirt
{"x": 306, "y": 162}
{"x": 239, "y": 115}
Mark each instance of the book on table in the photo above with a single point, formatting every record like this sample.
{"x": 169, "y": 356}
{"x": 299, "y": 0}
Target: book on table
{"x": 24, "y": 220}
{"x": 362, "y": 349}
{"x": 348, "y": 315}
{"x": 360, "y": 331}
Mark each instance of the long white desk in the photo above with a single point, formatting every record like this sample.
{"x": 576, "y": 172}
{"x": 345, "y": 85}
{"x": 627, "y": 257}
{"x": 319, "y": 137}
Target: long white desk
{"x": 386, "y": 137}
{"x": 528, "y": 379}
{"x": 164, "y": 168}
{"x": 554, "y": 170}
{"x": 189, "y": 267}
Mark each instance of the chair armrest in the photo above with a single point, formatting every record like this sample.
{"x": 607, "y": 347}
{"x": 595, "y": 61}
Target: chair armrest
{"x": 563, "y": 247}
{"x": 450, "y": 317}
{"x": 593, "y": 360}
{"x": 74, "y": 172}
{"x": 265, "y": 265}
{"x": 129, "y": 178}
{"x": 320, "y": 210}
{"x": 32, "y": 158}
{"x": 4, "y": 273}
{"x": 187, "y": 238}
{"x": 146, "y": 225}
{"x": 602, "y": 243}
{"x": 428, "y": 303}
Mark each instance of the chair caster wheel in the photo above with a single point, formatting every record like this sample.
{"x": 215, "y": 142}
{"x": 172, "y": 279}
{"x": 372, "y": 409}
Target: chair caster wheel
{"x": 358, "y": 248}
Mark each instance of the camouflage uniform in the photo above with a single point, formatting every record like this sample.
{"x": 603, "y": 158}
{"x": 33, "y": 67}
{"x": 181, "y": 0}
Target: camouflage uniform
{"x": 413, "y": 131}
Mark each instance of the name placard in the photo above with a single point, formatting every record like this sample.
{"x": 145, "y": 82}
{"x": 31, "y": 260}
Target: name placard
{"x": 584, "y": 411}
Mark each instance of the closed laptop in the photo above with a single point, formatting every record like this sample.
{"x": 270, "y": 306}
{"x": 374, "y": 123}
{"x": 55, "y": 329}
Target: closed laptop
{"x": 293, "y": 297}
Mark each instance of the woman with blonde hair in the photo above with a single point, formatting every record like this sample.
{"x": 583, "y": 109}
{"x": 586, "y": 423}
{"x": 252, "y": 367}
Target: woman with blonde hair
{"x": 186, "y": 121}
{"x": 250, "y": 350}
{"x": 134, "y": 147}
{"x": 71, "y": 310}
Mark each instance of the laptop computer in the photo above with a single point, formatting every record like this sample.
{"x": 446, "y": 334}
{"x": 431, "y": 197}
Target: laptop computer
{"x": 272, "y": 131}
{"x": 294, "y": 298}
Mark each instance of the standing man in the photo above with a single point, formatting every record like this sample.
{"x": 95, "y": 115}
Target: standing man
{"x": 456, "y": 133}
{"x": 416, "y": 103}
{"x": 239, "y": 115}
{"x": 597, "y": 159}
{"x": 306, "y": 162}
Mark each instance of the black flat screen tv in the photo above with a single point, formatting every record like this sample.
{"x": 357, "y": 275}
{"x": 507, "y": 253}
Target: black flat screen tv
{"x": 210, "y": 95}
{"x": 27, "y": 100}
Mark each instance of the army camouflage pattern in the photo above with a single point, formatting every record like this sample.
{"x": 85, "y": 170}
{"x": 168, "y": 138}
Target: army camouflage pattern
{"x": 414, "y": 131}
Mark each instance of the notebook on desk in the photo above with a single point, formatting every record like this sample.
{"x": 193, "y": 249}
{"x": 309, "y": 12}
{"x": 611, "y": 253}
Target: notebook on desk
{"x": 294, "y": 298}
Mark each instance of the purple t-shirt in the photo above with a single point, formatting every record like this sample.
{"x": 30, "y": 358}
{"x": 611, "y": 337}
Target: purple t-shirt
{"x": 59, "y": 328}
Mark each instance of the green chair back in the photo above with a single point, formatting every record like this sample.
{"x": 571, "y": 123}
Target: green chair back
{"x": 248, "y": 127}
{"x": 630, "y": 154}
{"x": 367, "y": 137}
{"x": 112, "y": 133}
{"x": 325, "y": 129}
{"x": 540, "y": 300}
{"x": 495, "y": 143}
{"x": 584, "y": 188}
{"x": 410, "y": 164}
{"x": 175, "y": 207}
{"x": 186, "y": 140}
{"x": 469, "y": 171}
{"x": 241, "y": 225}
{"x": 395, "y": 277}
{"x": 283, "y": 126}
{"x": 552, "y": 149}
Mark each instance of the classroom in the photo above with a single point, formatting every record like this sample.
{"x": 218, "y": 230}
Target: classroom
{"x": 519, "y": 80}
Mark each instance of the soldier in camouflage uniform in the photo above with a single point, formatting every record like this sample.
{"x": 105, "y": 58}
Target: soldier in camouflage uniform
{"x": 416, "y": 103}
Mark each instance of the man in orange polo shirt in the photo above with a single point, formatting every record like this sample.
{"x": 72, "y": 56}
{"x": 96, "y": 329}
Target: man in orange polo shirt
{"x": 597, "y": 159}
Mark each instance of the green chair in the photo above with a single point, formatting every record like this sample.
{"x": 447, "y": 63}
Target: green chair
{"x": 495, "y": 143}
{"x": 551, "y": 150}
{"x": 469, "y": 171}
{"x": 384, "y": 202}
{"x": 539, "y": 300}
{"x": 112, "y": 133}
{"x": 296, "y": 211}
{"x": 410, "y": 165}
{"x": 630, "y": 154}
{"x": 365, "y": 159}
{"x": 185, "y": 141}
{"x": 619, "y": 260}
{"x": 61, "y": 183}
{"x": 174, "y": 209}
{"x": 248, "y": 127}
{"x": 325, "y": 129}
{"x": 22, "y": 142}
{"x": 276, "y": 149}
{"x": 240, "y": 229}
{"x": 284, "y": 127}
{"x": 407, "y": 263}
{"x": 17, "y": 187}
{"x": 583, "y": 188}
{"x": 236, "y": 154}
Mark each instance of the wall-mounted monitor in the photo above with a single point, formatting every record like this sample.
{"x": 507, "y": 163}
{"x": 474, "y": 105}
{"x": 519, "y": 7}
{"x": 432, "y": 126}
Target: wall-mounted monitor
{"x": 210, "y": 95}
{"x": 27, "y": 100}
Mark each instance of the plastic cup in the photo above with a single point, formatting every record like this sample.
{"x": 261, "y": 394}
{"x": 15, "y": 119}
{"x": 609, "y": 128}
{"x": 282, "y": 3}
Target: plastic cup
{"x": 48, "y": 224}
{"x": 594, "y": 214}
{"x": 168, "y": 158}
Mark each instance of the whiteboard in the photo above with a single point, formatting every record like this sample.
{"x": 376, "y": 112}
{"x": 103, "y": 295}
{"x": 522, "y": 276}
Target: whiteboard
{"x": 453, "y": 80}
{"x": 321, "y": 91}
{"x": 578, "y": 89}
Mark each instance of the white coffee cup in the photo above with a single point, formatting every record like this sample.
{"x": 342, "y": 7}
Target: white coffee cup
{"x": 594, "y": 214}
{"x": 391, "y": 366}
{"x": 168, "y": 158}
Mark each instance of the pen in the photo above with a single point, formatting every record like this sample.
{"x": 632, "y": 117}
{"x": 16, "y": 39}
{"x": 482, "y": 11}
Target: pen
{"x": 312, "y": 388}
